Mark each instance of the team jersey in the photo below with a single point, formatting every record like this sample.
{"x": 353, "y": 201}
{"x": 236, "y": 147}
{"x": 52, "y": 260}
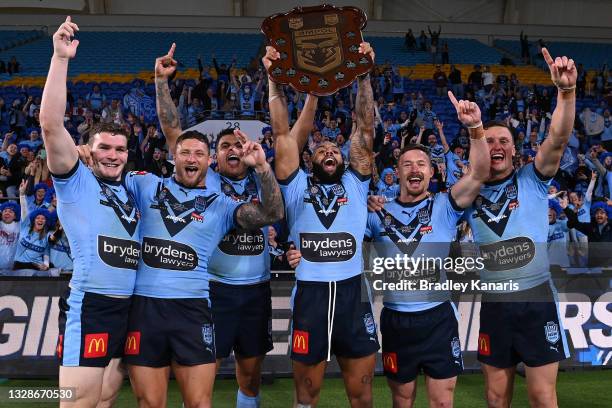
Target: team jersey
{"x": 59, "y": 253}
{"x": 180, "y": 230}
{"x": 242, "y": 256}
{"x": 509, "y": 220}
{"x": 453, "y": 172}
{"x": 247, "y": 103}
{"x": 327, "y": 223}
{"x": 101, "y": 220}
{"x": 423, "y": 229}
{"x": 557, "y": 243}
{"x": 584, "y": 215}
{"x": 9, "y": 235}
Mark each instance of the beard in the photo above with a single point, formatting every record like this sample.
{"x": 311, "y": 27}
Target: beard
{"x": 326, "y": 178}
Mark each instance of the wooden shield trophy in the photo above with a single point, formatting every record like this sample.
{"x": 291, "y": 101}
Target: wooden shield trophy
{"x": 319, "y": 48}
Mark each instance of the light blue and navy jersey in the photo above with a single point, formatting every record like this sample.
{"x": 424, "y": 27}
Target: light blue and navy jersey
{"x": 327, "y": 224}
{"x": 423, "y": 229}
{"x": 180, "y": 229}
{"x": 59, "y": 253}
{"x": 32, "y": 247}
{"x": 584, "y": 215}
{"x": 557, "y": 243}
{"x": 453, "y": 172}
{"x": 31, "y": 203}
{"x": 509, "y": 220}
{"x": 247, "y": 103}
{"x": 101, "y": 221}
{"x": 242, "y": 256}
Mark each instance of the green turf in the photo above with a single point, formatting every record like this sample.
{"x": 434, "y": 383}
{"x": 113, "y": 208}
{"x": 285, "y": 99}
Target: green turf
{"x": 588, "y": 389}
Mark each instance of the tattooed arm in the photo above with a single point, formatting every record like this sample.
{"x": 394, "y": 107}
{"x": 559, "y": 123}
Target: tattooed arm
{"x": 166, "y": 111}
{"x": 362, "y": 140}
{"x": 270, "y": 209}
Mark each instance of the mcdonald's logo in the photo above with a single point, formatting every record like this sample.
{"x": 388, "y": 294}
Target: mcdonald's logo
{"x": 132, "y": 343}
{"x": 484, "y": 344}
{"x": 59, "y": 350}
{"x": 300, "y": 342}
{"x": 390, "y": 362}
{"x": 96, "y": 345}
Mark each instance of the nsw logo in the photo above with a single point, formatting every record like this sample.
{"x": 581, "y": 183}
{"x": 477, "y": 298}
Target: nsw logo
{"x": 368, "y": 321}
{"x": 551, "y": 329}
{"x": 455, "y": 347}
{"x": 207, "y": 334}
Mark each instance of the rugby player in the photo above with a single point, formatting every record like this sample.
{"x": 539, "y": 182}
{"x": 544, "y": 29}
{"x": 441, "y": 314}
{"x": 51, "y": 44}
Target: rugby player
{"x": 511, "y": 212}
{"x": 240, "y": 266}
{"x": 419, "y": 327}
{"x": 101, "y": 221}
{"x": 326, "y": 215}
{"x": 183, "y": 222}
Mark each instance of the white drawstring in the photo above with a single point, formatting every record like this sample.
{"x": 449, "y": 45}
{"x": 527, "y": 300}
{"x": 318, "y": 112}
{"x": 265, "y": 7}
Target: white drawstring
{"x": 331, "y": 304}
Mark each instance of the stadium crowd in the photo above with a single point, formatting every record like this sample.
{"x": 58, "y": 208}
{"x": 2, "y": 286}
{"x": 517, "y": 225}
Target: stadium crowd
{"x": 228, "y": 91}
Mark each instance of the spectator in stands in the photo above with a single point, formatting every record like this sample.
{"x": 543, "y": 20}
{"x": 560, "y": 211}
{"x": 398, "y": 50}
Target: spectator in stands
{"x": 17, "y": 118}
{"x": 11, "y": 168}
{"x": 59, "y": 248}
{"x": 159, "y": 166}
{"x": 455, "y": 80}
{"x": 95, "y": 99}
{"x": 195, "y": 112}
{"x": 13, "y": 66}
{"x": 435, "y": 39}
{"x": 606, "y": 136}
{"x": 475, "y": 79}
{"x": 445, "y": 56}
{"x": 410, "y": 41}
{"x": 423, "y": 41}
{"x": 593, "y": 124}
{"x": 330, "y": 131}
{"x": 487, "y": 79}
{"x": 387, "y": 185}
{"x": 9, "y": 234}
{"x": 223, "y": 71}
{"x": 427, "y": 116}
{"x": 441, "y": 81}
{"x": 32, "y": 249}
{"x": 525, "y": 54}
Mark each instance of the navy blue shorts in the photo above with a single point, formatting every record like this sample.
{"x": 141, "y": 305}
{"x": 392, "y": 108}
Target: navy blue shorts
{"x": 92, "y": 328}
{"x": 243, "y": 318}
{"x": 514, "y": 330}
{"x": 354, "y": 330}
{"x": 165, "y": 330}
{"x": 426, "y": 340}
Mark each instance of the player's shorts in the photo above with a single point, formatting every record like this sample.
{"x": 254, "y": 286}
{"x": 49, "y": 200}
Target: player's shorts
{"x": 92, "y": 328}
{"x": 164, "y": 330}
{"x": 426, "y": 340}
{"x": 243, "y": 318}
{"x": 515, "y": 330}
{"x": 353, "y": 333}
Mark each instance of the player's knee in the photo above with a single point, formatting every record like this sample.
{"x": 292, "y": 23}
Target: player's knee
{"x": 542, "y": 397}
{"x": 441, "y": 402}
{"x": 249, "y": 383}
{"x": 151, "y": 401}
{"x": 497, "y": 399}
{"x": 402, "y": 401}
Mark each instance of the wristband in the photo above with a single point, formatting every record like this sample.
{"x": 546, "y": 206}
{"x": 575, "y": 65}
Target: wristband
{"x": 479, "y": 124}
{"x": 275, "y": 90}
{"x": 568, "y": 89}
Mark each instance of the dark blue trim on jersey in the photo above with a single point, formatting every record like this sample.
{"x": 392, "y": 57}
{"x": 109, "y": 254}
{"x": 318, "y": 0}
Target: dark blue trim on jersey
{"x": 234, "y": 217}
{"x": 453, "y": 203}
{"x": 540, "y": 175}
{"x": 290, "y": 178}
{"x": 498, "y": 182}
{"x": 412, "y": 204}
{"x": 187, "y": 187}
{"x": 69, "y": 174}
{"x": 360, "y": 176}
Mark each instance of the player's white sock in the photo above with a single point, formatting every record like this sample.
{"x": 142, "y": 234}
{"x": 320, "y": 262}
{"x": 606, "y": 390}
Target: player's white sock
{"x": 244, "y": 401}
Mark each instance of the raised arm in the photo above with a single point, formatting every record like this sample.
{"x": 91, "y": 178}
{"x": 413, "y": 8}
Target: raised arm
{"x": 270, "y": 209}
{"x": 287, "y": 150}
{"x": 61, "y": 151}
{"x": 362, "y": 140}
{"x": 23, "y": 201}
{"x": 440, "y": 126}
{"x": 589, "y": 193}
{"x": 166, "y": 111}
{"x": 563, "y": 74}
{"x": 467, "y": 188}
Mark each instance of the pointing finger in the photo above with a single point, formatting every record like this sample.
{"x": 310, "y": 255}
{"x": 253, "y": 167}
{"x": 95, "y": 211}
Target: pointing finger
{"x": 172, "y": 48}
{"x": 453, "y": 100}
{"x": 547, "y": 56}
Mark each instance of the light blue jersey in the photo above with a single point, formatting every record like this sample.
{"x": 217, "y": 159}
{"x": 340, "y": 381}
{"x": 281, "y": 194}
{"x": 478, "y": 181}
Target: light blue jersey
{"x": 509, "y": 220}
{"x": 59, "y": 253}
{"x": 32, "y": 246}
{"x": 242, "y": 256}
{"x": 180, "y": 229}
{"x": 327, "y": 224}
{"x": 100, "y": 220}
{"x": 422, "y": 229}
{"x": 453, "y": 172}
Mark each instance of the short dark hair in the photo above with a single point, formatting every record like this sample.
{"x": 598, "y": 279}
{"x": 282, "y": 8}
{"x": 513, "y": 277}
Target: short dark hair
{"x": 416, "y": 146}
{"x": 101, "y": 127}
{"x": 193, "y": 134}
{"x": 499, "y": 123}
{"x": 224, "y": 132}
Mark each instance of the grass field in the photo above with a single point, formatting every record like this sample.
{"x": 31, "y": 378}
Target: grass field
{"x": 587, "y": 389}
